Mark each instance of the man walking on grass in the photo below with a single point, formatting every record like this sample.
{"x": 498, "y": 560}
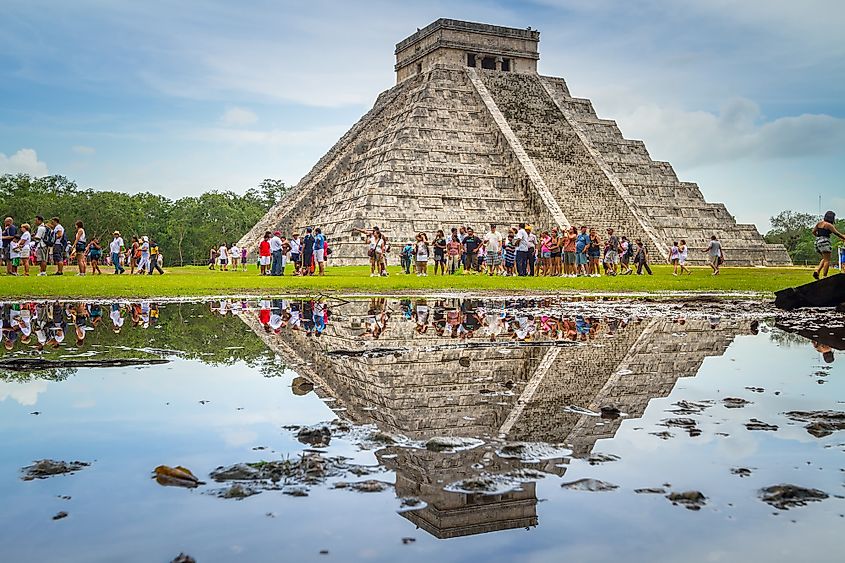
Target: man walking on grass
{"x": 116, "y": 249}
{"x": 715, "y": 256}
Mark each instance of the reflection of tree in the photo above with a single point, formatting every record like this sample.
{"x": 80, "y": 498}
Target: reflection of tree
{"x": 52, "y": 374}
{"x": 787, "y": 339}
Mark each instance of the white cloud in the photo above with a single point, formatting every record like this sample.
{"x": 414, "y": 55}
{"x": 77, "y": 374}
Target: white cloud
{"x": 320, "y": 136}
{"x": 738, "y": 131}
{"x": 25, "y": 161}
{"x": 238, "y": 117}
{"x": 84, "y": 150}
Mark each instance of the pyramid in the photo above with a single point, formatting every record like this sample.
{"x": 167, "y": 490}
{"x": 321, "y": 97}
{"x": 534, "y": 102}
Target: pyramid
{"x": 472, "y": 134}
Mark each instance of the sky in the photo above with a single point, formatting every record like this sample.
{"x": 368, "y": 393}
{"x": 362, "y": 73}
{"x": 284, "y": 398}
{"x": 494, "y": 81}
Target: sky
{"x": 747, "y": 97}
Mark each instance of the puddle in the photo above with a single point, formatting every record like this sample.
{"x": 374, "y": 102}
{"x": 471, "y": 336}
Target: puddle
{"x": 385, "y": 429}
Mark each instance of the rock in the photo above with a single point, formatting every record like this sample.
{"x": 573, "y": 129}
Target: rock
{"x": 183, "y": 558}
{"x": 382, "y": 438}
{"x": 295, "y": 491}
{"x": 691, "y": 500}
{"x": 176, "y": 477}
{"x": 662, "y": 435}
{"x": 597, "y": 458}
{"x": 60, "y": 515}
{"x": 237, "y": 472}
{"x": 651, "y": 491}
{"x": 444, "y": 443}
{"x": 369, "y": 486}
{"x": 820, "y": 423}
{"x": 301, "y": 386}
{"x": 687, "y": 424}
{"x": 610, "y": 411}
{"x": 45, "y": 468}
{"x": 735, "y": 402}
{"x": 406, "y": 541}
{"x": 317, "y": 436}
{"x": 478, "y": 485}
{"x": 755, "y": 424}
{"x": 690, "y": 407}
{"x": 784, "y": 497}
{"x": 591, "y": 485}
{"x": 756, "y": 389}
{"x": 237, "y": 491}
{"x": 741, "y": 471}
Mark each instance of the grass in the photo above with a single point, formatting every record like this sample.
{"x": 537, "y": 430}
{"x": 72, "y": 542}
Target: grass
{"x": 197, "y": 281}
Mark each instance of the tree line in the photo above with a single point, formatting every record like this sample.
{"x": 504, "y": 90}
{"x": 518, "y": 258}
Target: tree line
{"x": 794, "y": 230}
{"x": 185, "y": 229}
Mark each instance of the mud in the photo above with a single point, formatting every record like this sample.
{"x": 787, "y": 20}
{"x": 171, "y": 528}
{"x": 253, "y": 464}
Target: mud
{"x": 784, "y": 497}
{"x": 819, "y": 423}
{"x": 45, "y": 468}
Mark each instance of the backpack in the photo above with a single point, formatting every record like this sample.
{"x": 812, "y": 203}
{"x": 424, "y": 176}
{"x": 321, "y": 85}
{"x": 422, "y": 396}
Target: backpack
{"x": 50, "y": 237}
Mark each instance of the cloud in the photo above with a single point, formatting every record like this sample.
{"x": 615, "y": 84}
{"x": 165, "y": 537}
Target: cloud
{"x": 238, "y": 117}
{"x": 83, "y": 150}
{"x": 25, "y": 161}
{"x": 321, "y": 136}
{"x": 738, "y": 131}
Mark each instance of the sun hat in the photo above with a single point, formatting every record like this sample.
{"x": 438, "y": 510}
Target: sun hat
{"x": 116, "y": 233}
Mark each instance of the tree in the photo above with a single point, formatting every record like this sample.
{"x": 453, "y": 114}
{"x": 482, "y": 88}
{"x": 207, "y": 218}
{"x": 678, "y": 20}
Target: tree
{"x": 788, "y": 227}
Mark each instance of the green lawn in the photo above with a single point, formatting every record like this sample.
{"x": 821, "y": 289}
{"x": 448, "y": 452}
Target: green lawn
{"x": 193, "y": 281}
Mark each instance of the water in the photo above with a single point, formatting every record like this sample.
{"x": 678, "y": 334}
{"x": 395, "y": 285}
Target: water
{"x": 515, "y": 386}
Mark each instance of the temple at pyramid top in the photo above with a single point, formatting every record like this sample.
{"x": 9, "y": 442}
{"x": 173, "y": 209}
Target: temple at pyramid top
{"x": 457, "y": 43}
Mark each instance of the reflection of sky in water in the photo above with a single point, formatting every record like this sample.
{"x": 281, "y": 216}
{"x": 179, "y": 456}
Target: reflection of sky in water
{"x": 127, "y": 421}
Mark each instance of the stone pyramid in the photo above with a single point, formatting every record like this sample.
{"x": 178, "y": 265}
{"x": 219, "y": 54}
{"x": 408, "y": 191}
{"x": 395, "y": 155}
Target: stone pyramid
{"x": 472, "y": 134}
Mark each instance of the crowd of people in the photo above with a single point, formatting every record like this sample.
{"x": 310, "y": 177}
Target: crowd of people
{"x": 519, "y": 251}
{"x": 42, "y": 243}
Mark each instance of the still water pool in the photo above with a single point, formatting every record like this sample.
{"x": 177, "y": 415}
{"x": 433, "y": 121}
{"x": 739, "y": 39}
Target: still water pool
{"x": 422, "y": 429}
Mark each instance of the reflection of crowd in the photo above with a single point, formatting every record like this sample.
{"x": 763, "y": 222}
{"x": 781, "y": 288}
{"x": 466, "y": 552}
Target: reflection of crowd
{"x": 307, "y": 315}
{"x": 48, "y": 325}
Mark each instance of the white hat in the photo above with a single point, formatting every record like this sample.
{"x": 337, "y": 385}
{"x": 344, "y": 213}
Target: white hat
{"x": 145, "y": 238}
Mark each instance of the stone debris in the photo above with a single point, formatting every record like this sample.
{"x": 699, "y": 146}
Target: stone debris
{"x": 532, "y": 452}
{"x": 610, "y": 412}
{"x": 406, "y": 541}
{"x": 183, "y": 558}
{"x": 691, "y": 500}
{"x": 651, "y": 491}
{"x": 687, "y": 424}
{"x": 664, "y": 435}
{"x": 597, "y": 458}
{"x": 590, "y": 485}
{"x": 446, "y": 444}
{"x": 368, "y": 486}
{"x": 741, "y": 471}
{"x": 820, "y": 423}
{"x": 60, "y": 515}
{"x": 756, "y": 389}
{"x": 690, "y": 407}
{"x": 44, "y": 468}
{"x": 237, "y": 491}
{"x": 784, "y": 497}
{"x": 735, "y": 402}
{"x": 316, "y": 436}
{"x": 755, "y": 424}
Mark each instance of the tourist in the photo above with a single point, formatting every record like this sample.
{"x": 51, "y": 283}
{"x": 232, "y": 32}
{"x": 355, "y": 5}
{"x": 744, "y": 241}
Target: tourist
{"x": 493, "y": 247}
{"x": 223, "y": 257}
{"x": 319, "y": 250}
{"x": 545, "y": 254}
{"x": 264, "y": 254}
{"x": 556, "y": 252}
{"x": 594, "y": 250}
{"x": 439, "y": 247}
{"x": 532, "y": 251}
{"x": 235, "y": 254}
{"x": 715, "y": 256}
{"x": 569, "y": 249}
{"x": 822, "y": 232}
{"x": 58, "y": 241}
{"x": 116, "y": 249}
{"x": 276, "y": 254}
{"x": 212, "y": 255}
{"x": 683, "y": 252}
{"x": 454, "y": 250}
{"x": 406, "y": 257}
{"x": 582, "y": 244}
{"x": 244, "y": 256}
{"x": 510, "y": 255}
{"x": 674, "y": 258}
{"x": 521, "y": 242}
{"x": 94, "y": 252}
{"x": 24, "y": 247}
{"x": 155, "y": 258}
{"x": 295, "y": 253}
{"x": 471, "y": 244}
{"x": 422, "y": 255}
{"x": 80, "y": 243}
{"x": 308, "y": 252}
{"x": 39, "y": 239}
{"x": 626, "y": 250}
{"x": 379, "y": 258}
{"x": 641, "y": 257}
{"x": 611, "y": 258}
{"x": 144, "y": 260}
{"x": 10, "y": 231}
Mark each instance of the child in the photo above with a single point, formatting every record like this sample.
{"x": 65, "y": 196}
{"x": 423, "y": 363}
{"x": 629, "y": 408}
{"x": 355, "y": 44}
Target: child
{"x": 510, "y": 255}
{"x": 674, "y": 257}
{"x": 683, "y": 252}
{"x": 405, "y": 257}
{"x": 243, "y": 258}
{"x": 264, "y": 254}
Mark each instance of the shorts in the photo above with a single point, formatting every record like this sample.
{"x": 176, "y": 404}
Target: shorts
{"x": 509, "y": 263}
{"x": 581, "y": 259}
{"x": 494, "y": 258}
{"x": 224, "y": 261}
{"x": 320, "y": 255}
{"x": 41, "y": 254}
{"x": 568, "y": 257}
{"x": 823, "y": 245}
{"x": 612, "y": 257}
{"x": 545, "y": 255}
{"x": 422, "y": 259}
{"x": 16, "y": 262}
{"x": 555, "y": 255}
{"x": 625, "y": 259}
{"x": 594, "y": 254}
{"x": 713, "y": 260}
{"x": 295, "y": 258}
{"x": 439, "y": 258}
{"x": 58, "y": 253}
{"x": 264, "y": 260}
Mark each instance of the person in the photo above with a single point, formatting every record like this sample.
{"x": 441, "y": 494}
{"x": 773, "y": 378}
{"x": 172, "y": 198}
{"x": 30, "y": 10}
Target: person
{"x": 545, "y": 254}
{"x": 422, "y": 255}
{"x": 471, "y": 244}
{"x": 822, "y": 232}
{"x": 594, "y": 249}
{"x": 533, "y": 255}
{"x": 569, "y": 247}
{"x": 521, "y": 242}
{"x": 675, "y": 257}
{"x": 683, "y": 252}
{"x": 10, "y": 231}
{"x": 59, "y": 241}
{"x": 80, "y": 243}
{"x": 582, "y": 244}
{"x": 406, "y": 257}
{"x": 155, "y": 258}
{"x": 454, "y": 250}
{"x": 295, "y": 253}
{"x": 641, "y": 258}
{"x": 493, "y": 246}
{"x": 235, "y": 253}
{"x": 715, "y": 256}
{"x": 371, "y": 239}
{"x": 39, "y": 240}
{"x": 308, "y": 252}
{"x": 510, "y": 255}
{"x": 276, "y": 254}
{"x": 212, "y": 255}
{"x": 319, "y": 250}
{"x": 285, "y": 252}
{"x": 379, "y": 253}
{"x": 439, "y": 246}
{"x": 243, "y": 258}
{"x": 223, "y": 257}
{"x": 556, "y": 252}
{"x": 14, "y": 257}
{"x": 144, "y": 260}
{"x": 94, "y": 252}
{"x": 264, "y": 254}
{"x": 116, "y": 250}
{"x": 627, "y": 252}
{"x": 24, "y": 247}
{"x": 612, "y": 256}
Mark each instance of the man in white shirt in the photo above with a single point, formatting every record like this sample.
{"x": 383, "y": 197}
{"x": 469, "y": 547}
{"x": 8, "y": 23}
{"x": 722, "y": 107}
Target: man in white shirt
{"x": 521, "y": 241}
{"x": 59, "y": 251}
{"x": 276, "y": 254}
{"x": 40, "y": 245}
{"x": 493, "y": 243}
{"x": 116, "y": 249}
{"x": 223, "y": 257}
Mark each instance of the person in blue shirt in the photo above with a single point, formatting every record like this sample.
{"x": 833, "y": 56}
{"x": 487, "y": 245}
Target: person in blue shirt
{"x": 320, "y": 249}
{"x": 405, "y": 257}
{"x": 582, "y": 243}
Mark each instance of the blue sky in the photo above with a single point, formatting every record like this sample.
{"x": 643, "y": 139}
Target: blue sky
{"x": 747, "y": 98}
